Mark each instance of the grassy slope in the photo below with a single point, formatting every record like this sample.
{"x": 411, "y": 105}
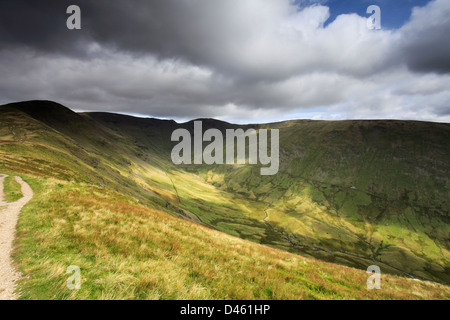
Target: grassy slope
{"x": 116, "y": 154}
{"x": 128, "y": 251}
{"x": 11, "y": 189}
{"x": 377, "y": 189}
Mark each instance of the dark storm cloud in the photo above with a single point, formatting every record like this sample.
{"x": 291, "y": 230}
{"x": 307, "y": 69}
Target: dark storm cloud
{"x": 190, "y": 30}
{"x": 38, "y": 25}
{"x": 208, "y": 33}
{"x": 426, "y": 39}
{"x": 242, "y": 41}
{"x": 233, "y": 59}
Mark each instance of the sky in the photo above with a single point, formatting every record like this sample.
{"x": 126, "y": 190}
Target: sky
{"x": 243, "y": 61}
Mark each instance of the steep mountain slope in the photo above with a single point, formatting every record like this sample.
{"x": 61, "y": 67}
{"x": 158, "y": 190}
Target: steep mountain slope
{"x": 377, "y": 190}
{"x": 129, "y": 251}
{"x": 351, "y": 192}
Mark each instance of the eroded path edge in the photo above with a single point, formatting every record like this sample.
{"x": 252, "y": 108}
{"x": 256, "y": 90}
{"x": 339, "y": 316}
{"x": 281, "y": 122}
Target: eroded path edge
{"x": 9, "y": 215}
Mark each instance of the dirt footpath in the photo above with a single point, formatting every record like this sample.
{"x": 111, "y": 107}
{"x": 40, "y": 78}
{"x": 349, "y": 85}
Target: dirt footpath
{"x": 9, "y": 214}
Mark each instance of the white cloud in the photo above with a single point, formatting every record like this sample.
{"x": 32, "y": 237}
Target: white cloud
{"x": 244, "y": 60}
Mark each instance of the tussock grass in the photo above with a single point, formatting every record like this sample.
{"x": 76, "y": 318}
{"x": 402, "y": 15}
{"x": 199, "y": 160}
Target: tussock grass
{"x": 129, "y": 251}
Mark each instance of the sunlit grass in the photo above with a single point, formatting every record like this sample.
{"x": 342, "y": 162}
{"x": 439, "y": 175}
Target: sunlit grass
{"x": 128, "y": 251}
{"x": 121, "y": 179}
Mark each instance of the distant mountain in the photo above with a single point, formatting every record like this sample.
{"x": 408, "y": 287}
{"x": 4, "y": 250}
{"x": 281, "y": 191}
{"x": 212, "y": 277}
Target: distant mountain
{"x": 355, "y": 193}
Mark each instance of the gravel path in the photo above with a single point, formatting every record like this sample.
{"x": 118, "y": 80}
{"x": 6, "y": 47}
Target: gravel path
{"x": 9, "y": 214}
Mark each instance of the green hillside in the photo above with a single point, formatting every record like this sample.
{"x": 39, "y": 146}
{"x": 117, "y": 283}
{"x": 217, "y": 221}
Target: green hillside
{"x": 375, "y": 189}
{"x": 353, "y": 193}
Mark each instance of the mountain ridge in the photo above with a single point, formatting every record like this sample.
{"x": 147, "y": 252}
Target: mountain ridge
{"x": 373, "y": 188}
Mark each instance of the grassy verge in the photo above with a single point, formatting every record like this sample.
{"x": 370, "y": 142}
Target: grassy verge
{"x": 129, "y": 251}
{"x": 11, "y": 189}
